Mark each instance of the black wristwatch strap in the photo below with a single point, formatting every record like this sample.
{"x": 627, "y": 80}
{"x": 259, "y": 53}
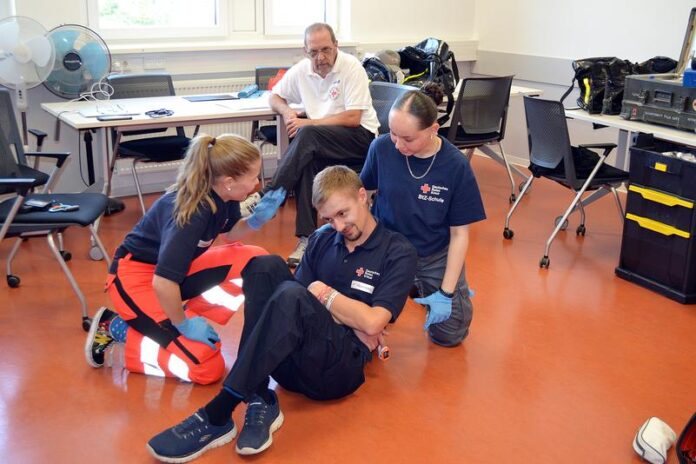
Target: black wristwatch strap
{"x": 448, "y": 295}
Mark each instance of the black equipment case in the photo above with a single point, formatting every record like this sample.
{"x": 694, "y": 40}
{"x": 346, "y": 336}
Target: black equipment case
{"x": 661, "y": 98}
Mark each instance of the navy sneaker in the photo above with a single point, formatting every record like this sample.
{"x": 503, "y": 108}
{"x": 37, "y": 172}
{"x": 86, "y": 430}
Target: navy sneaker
{"x": 189, "y": 439}
{"x": 99, "y": 337}
{"x": 260, "y": 422}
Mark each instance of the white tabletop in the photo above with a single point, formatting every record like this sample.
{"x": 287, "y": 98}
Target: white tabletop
{"x": 518, "y": 91}
{"x": 72, "y": 113}
{"x": 660, "y": 132}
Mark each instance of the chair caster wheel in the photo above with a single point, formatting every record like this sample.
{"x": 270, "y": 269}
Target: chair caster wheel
{"x": 13, "y": 281}
{"x": 580, "y": 230}
{"x": 512, "y": 198}
{"x": 95, "y": 254}
{"x": 67, "y": 256}
{"x": 508, "y": 233}
{"x": 558, "y": 219}
{"x": 86, "y": 323}
{"x": 544, "y": 263}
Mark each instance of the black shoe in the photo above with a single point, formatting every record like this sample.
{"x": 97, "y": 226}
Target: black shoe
{"x": 261, "y": 420}
{"x": 190, "y": 438}
{"x": 99, "y": 337}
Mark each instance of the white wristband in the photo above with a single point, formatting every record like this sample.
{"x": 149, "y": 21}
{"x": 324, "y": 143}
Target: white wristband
{"x": 330, "y": 299}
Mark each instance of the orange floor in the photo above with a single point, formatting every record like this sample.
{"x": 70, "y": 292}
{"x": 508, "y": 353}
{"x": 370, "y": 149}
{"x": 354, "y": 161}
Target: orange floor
{"x": 562, "y": 365}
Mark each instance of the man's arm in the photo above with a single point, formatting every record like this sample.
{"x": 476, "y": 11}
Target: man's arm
{"x": 280, "y": 106}
{"x": 370, "y": 320}
{"x": 348, "y": 118}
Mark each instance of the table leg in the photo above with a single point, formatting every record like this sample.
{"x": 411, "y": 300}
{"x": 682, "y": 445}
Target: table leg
{"x": 282, "y": 137}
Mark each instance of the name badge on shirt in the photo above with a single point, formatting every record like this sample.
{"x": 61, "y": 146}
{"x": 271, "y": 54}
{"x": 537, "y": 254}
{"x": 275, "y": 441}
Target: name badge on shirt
{"x": 363, "y": 287}
{"x": 205, "y": 243}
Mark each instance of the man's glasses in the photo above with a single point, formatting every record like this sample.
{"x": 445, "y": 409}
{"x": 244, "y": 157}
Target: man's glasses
{"x": 322, "y": 51}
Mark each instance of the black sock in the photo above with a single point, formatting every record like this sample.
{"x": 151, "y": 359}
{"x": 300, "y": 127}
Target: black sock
{"x": 220, "y": 408}
{"x": 266, "y": 396}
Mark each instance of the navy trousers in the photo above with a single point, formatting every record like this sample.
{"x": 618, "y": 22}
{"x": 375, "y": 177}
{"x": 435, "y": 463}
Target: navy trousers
{"x": 292, "y": 337}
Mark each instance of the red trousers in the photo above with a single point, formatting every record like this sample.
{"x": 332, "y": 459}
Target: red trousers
{"x": 153, "y": 345}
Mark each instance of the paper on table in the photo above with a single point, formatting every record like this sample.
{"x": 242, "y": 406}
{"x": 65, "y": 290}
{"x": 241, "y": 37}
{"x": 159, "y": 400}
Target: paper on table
{"x": 107, "y": 109}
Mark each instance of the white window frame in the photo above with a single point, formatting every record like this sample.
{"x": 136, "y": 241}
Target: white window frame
{"x": 274, "y": 30}
{"x": 220, "y": 30}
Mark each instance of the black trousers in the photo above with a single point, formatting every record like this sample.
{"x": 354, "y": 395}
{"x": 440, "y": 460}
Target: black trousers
{"x": 289, "y": 335}
{"x": 312, "y": 149}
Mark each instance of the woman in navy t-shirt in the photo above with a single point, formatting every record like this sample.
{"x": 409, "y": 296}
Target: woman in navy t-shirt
{"x": 167, "y": 259}
{"x": 426, "y": 190}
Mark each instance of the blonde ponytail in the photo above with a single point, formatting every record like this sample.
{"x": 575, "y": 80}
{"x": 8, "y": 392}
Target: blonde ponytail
{"x": 207, "y": 159}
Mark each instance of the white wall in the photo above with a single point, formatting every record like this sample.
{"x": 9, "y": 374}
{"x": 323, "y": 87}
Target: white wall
{"x": 632, "y": 29}
{"x": 6, "y": 8}
{"x": 536, "y": 40}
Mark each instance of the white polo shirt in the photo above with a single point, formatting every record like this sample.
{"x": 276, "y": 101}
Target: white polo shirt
{"x": 345, "y": 87}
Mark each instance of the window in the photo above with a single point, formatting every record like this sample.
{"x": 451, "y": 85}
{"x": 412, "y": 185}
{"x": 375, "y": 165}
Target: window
{"x": 283, "y": 17}
{"x": 141, "y": 19}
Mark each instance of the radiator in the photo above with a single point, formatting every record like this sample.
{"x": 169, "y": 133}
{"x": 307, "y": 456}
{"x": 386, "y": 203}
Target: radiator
{"x": 156, "y": 177}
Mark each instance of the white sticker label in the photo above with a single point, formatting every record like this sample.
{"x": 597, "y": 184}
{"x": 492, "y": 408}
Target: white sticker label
{"x": 363, "y": 287}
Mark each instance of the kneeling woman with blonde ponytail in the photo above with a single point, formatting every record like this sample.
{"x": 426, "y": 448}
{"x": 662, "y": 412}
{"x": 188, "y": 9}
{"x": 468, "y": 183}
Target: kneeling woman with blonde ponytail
{"x": 167, "y": 259}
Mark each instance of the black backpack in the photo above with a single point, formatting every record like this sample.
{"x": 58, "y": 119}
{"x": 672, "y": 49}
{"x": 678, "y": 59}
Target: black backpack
{"x": 432, "y": 60}
{"x": 601, "y": 80}
{"x": 377, "y": 71}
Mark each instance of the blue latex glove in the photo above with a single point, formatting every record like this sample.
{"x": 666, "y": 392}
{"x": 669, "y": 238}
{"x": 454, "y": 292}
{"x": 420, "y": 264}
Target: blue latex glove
{"x": 440, "y": 308}
{"x": 196, "y": 328}
{"x": 267, "y": 208}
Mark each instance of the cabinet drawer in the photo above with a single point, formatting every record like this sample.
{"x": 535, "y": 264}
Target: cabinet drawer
{"x": 659, "y": 206}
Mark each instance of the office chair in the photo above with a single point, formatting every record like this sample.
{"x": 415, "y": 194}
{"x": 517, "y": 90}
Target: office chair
{"x": 17, "y": 155}
{"x": 265, "y": 134}
{"x": 42, "y": 222}
{"x": 577, "y": 168}
{"x": 153, "y": 149}
{"x": 479, "y": 118}
{"x": 384, "y": 94}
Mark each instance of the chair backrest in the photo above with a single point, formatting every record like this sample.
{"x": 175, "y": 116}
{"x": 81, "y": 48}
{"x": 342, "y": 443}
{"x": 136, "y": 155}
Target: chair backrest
{"x": 384, "y": 94}
{"x": 143, "y": 86}
{"x": 8, "y": 166}
{"x": 547, "y": 134}
{"x": 12, "y": 150}
{"x": 481, "y": 106}
{"x": 264, "y": 74}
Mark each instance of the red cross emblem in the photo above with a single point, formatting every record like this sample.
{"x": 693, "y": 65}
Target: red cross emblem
{"x": 333, "y": 93}
{"x": 425, "y": 188}
{"x": 360, "y": 271}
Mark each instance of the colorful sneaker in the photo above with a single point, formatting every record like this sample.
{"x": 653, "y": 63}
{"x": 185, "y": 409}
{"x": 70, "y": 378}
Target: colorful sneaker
{"x": 296, "y": 256}
{"x": 261, "y": 420}
{"x": 99, "y": 338}
{"x": 247, "y": 206}
{"x": 190, "y": 438}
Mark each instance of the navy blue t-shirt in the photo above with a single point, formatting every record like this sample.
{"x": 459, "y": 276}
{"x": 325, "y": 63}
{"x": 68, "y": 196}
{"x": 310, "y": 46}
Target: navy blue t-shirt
{"x": 156, "y": 239}
{"x": 379, "y": 272}
{"x": 422, "y": 209}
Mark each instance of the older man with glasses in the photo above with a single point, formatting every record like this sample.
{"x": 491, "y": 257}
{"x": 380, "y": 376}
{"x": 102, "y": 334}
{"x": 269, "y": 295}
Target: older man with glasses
{"x": 336, "y": 127}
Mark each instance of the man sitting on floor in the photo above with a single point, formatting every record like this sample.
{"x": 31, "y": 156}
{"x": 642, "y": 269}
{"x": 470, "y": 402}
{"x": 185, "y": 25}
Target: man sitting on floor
{"x": 339, "y": 125}
{"x": 314, "y": 332}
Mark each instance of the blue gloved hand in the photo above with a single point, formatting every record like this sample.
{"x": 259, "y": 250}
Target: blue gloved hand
{"x": 196, "y": 328}
{"x": 267, "y": 208}
{"x": 440, "y": 308}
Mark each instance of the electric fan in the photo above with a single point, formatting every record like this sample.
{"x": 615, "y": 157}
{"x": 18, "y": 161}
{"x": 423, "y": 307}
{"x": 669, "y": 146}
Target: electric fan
{"x": 81, "y": 60}
{"x": 26, "y": 58}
